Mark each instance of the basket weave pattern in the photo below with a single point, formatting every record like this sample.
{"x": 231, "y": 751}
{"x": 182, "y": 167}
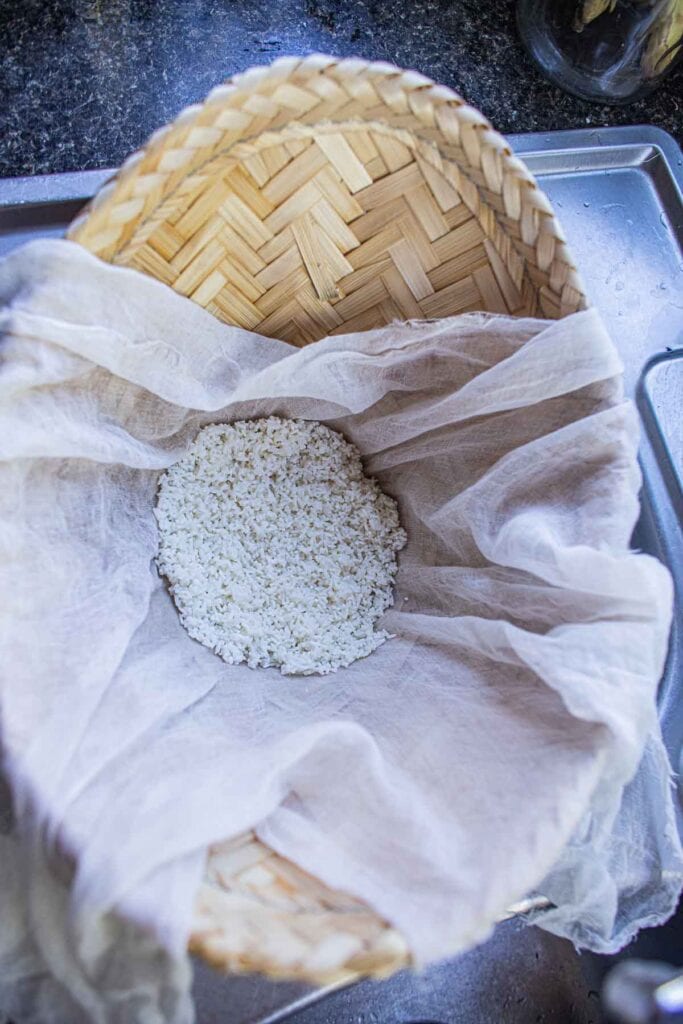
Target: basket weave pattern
{"x": 317, "y": 196}
{"x": 309, "y": 198}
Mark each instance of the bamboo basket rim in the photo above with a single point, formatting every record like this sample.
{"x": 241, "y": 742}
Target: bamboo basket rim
{"x": 436, "y": 109}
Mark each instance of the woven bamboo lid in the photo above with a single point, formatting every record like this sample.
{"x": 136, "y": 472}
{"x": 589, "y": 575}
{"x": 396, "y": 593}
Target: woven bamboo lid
{"x": 309, "y": 198}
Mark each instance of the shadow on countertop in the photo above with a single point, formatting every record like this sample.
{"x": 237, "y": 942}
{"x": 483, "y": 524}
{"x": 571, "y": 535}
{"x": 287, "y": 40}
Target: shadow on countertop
{"x": 84, "y": 82}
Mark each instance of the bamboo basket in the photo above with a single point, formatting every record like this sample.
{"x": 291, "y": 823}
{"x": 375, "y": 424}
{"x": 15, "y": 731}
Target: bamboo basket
{"x": 314, "y": 197}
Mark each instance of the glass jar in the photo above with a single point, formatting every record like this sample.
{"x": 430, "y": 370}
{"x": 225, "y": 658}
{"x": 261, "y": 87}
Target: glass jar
{"x": 610, "y": 51}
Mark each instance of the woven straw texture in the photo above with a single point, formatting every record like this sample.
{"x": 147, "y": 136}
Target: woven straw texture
{"x": 304, "y": 199}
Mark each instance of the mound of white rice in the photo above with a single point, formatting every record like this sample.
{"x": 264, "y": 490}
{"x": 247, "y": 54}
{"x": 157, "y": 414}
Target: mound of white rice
{"x": 278, "y": 549}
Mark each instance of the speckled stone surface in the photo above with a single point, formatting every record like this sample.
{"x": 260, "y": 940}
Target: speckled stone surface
{"x": 84, "y": 82}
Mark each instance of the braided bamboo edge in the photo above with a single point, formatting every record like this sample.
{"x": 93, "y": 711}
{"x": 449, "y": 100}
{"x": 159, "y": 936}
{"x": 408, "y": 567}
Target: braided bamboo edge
{"x": 286, "y": 924}
{"x": 319, "y": 91}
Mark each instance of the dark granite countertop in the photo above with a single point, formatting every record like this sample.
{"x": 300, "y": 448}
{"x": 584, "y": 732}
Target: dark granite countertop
{"x": 84, "y": 82}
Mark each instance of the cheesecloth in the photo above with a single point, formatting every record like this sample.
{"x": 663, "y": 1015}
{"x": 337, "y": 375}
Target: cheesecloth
{"x": 505, "y": 741}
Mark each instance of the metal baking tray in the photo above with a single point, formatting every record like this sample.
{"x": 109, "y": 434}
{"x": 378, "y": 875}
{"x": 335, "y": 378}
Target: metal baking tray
{"x": 618, "y": 194}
